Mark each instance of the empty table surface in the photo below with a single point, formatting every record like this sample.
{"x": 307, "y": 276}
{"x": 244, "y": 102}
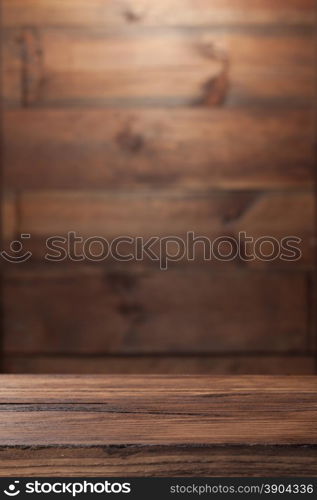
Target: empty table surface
{"x": 158, "y": 426}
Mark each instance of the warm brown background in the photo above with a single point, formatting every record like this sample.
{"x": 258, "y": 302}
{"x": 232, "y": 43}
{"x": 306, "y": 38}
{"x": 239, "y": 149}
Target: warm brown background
{"x": 156, "y": 118}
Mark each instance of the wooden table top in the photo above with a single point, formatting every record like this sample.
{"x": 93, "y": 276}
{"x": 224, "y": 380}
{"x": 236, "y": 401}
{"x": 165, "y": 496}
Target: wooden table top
{"x": 119, "y": 425}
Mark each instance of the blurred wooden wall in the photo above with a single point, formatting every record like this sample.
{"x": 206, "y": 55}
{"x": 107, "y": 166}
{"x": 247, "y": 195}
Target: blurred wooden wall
{"x": 134, "y": 117}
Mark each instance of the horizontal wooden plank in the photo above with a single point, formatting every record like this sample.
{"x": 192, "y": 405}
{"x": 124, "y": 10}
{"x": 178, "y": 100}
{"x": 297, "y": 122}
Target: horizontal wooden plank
{"x": 8, "y": 217}
{"x": 188, "y": 365}
{"x": 106, "y": 428}
{"x": 134, "y": 408}
{"x": 76, "y": 67}
{"x": 49, "y": 389}
{"x": 257, "y": 461}
{"x": 172, "y": 214}
{"x": 165, "y": 12}
{"x": 193, "y": 148}
{"x": 159, "y": 461}
{"x": 166, "y": 213}
{"x": 106, "y": 310}
{"x": 148, "y": 426}
{"x": 282, "y": 215}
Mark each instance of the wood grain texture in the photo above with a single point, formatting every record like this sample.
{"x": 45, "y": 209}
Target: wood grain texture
{"x": 171, "y": 67}
{"x": 262, "y": 402}
{"x": 102, "y": 427}
{"x": 94, "y": 310}
{"x": 181, "y": 365}
{"x": 72, "y": 389}
{"x": 190, "y": 149}
{"x": 164, "y": 213}
{"x": 159, "y": 461}
{"x": 166, "y": 12}
{"x": 158, "y": 425}
{"x": 131, "y": 117}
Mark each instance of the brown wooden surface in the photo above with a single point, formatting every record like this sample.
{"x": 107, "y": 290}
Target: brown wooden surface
{"x": 165, "y": 214}
{"x": 159, "y": 461}
{"x": 184, "y": 364}
{"x": 205, "y": 67}
{"x": 140, "y": 117}
{"x": 192, "y": 149}
{"x": 11, "y": 70}
{"x": 166, "y": 12}
{"x": 162, "y": 425}
{"x": 122, "y": 311}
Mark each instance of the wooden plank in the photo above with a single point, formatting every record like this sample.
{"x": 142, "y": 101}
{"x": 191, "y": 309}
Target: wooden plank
{"x": 187, "y": 148}
{"x": 151, "y": 411}
{"x": 172, "y": 214}
{"x": 189, "y": 365}
{"x": 140, "y": 426}
{"x": 11, "y": 70}
{"x": 76, "y": 309}
{"x": 161, "y": 212}
{"x": 165, "y": 12}
{"x": 159, "y": 461}
{"x": 160, "y": 67}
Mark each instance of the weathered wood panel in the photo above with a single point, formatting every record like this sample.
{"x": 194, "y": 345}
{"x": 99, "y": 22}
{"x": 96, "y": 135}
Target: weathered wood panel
{"x": 282, "y": 215}
{"x": 18, "y": 389}
{"x": 162, "y": 213}
{"x": 172, "y": 67}
{"x": 143, "y": 62}
{"x": 167, "y": 214}
{"x": 158, "y": 426}
{"x": 128, "y": 411}
{"x": 142, "y": 214}
{"x": 165, "y": 12}
{"x": 183, "y": 148}
{"x": 90, "y": 310}
{"x": 187, "y": 365}
{"x": 159, "y": 461}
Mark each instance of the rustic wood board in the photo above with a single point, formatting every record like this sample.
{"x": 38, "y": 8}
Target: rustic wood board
{"x": 156, "y": 461}
{"x": 95, "y": 309}
{"x": 171, "y": 66}
{"x": 179, "y": 365}
{"x": 166, "y": 12}
{"x": 165, "y": 213}
{"x": 140, "y": 117}
{"x": 159, "y": 461}
{"x": 193, "y": 149}
{"x": 158, "y": 425}
{"x": 168, "y": 214}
